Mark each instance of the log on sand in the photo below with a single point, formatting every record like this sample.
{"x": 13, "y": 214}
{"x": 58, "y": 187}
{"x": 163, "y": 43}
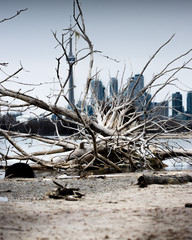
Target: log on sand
{"x": 145, "y": 180}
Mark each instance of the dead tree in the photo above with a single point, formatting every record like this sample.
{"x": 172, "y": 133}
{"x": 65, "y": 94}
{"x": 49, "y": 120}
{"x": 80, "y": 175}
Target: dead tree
{"x": 123, "y": 130}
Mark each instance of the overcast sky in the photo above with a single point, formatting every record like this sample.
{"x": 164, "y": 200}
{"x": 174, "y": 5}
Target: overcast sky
{"x": 127, "y": 30}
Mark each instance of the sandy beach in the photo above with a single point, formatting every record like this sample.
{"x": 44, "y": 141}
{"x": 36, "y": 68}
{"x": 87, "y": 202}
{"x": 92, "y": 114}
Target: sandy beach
{"x": 114, "y": 207}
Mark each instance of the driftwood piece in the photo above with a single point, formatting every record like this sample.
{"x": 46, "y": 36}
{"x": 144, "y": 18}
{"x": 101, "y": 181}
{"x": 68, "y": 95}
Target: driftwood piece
{"x": 62, "y": 192}
{"x": 145, "y": 180}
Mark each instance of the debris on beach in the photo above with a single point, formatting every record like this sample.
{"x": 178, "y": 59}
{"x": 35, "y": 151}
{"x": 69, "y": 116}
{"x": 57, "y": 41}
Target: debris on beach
{"x": 62, "y": 192}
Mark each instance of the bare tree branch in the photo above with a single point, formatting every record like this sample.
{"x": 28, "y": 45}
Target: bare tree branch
{"x": 123, "y": 129}
{"x": 9, "y": 18}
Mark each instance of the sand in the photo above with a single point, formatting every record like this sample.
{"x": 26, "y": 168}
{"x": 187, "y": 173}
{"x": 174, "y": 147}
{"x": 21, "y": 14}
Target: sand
{"x": 112, "y": 208}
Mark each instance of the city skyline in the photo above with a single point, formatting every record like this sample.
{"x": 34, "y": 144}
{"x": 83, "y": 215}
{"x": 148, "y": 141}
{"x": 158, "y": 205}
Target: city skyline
{"x": 173, "y": 107}
{"x": 128, "y": 31}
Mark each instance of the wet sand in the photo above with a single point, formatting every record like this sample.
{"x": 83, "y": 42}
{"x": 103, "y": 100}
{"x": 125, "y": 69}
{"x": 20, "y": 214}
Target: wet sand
{"x": 112, "y": 208}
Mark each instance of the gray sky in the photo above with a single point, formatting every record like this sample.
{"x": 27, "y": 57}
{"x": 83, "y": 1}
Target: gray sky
{"x": 127, "y": 30}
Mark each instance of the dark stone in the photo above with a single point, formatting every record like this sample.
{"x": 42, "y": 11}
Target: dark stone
{"x": 188, "y": 205}
{"x": 19, "y": 170}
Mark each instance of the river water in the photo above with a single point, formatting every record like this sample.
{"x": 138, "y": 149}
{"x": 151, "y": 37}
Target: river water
{"x": 33, "y": 146}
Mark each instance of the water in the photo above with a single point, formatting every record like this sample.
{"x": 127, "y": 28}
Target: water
{"x": 2, "y": 173}
{"x": 33, "y": 146}
{"x": 183, "y": 163}
{"x": 178, "y": 165}
{"x": 3, "y": 199}
{"x": 28, "y": 145}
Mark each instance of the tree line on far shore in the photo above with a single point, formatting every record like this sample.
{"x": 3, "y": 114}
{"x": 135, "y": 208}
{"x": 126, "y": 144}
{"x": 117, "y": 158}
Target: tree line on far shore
{"x": 41, "y": 126}
{"x": 46, "y": 126}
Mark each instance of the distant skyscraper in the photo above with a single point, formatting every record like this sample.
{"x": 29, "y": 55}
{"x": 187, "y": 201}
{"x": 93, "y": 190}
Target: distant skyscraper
{"x": 113, "y": 86}
{"x": 177, "y": 105}
{"x": 137, "y": 86}
{"x": 189, "y": 102}
{"x": 97, "y": 90}
{"x": 147, "y": 101}
{"x": 162, "y": 109}
{"x": 71, "y": 60}
{"x": 134, "y": 89}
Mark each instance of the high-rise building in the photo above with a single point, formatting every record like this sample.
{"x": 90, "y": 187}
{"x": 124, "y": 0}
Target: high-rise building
{"x": 160, "y": 109}
{"x": 97, "y": 90}
{"x": 189, "y": 102}
{"x": 177, "y": 105}
{"x": 135, "y": 85}
{"x": 71, "y": 60}
{"x": 147, "y": 100}
{"x": 113, "y": 87}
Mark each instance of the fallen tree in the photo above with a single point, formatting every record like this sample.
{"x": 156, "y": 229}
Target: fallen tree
{"x": 116, "y": 135}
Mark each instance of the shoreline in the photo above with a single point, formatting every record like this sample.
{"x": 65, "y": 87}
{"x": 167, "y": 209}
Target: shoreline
{"x": 113, "y": 207}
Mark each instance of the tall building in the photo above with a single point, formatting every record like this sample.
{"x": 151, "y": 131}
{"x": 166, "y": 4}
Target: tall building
{"x": 135, "y": 85}
{"x": 147, "y": 101}
{"x": 113, "y": 87}
{"x": 97, "y": 90}
{"x": 147, "y": 105}
{"x": 189, "y": 102}
{"x": 177, "y": 105}
{"x": 160, "y": 110}
{"x": 71, "y": 60}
